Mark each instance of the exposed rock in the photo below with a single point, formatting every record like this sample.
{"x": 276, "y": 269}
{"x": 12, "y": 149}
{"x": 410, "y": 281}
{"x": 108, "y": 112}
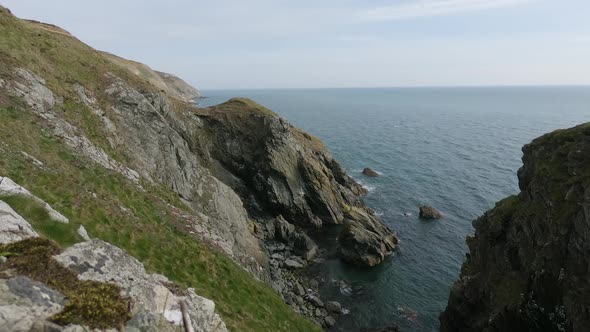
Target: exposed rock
{"x": 101, "y": 261}
{"x": 10, "y": 188}
{"x": 370, "y": 172}
{"x": 333, "y": 307}
{"x": 365, "y": 240}
{"x": 23, "y": 302}
{"x": 428, "y": 212}
{"x": 527, "y": 267}
{"x": 13, "y": 227}
{"x": 83, "y": 233}
{"x": 277, "y": 168}
{"x": 293, "y": 264}
{"x": 315, "y": 300}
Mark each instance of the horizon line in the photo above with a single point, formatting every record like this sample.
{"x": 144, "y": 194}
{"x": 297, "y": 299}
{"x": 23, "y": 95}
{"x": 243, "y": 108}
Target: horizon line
{"x": 410, "y": 87}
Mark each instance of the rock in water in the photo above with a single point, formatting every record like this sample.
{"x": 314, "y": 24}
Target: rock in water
{"x": 333, "y": 307}
{"x": 365, "y": 240}
{"x": 428, "y": 212}
{"x": 370, "y": 172}
{"x": 527, "y": 267}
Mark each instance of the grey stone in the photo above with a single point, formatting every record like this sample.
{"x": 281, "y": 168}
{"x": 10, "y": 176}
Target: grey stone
{"x": 293, "y": 264}
{"x": 333, "y": 306}
{"x": 13, "y": 227}
{"x": 315, "y": 301}
{"x": 83, "y": 233}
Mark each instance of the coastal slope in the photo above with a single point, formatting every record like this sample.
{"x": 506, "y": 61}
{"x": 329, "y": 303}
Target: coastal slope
{"x": 219, "y": 199}
{"x": 528, "y": 264}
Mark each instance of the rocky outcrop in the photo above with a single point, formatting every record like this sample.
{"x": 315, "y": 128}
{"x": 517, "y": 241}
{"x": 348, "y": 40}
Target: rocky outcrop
{"x": 278, "y": 169}
{"x": 28, "y": 305}
{"x": 370, "y": 172}
{"x": 528, "y": 263}
{"x": 428, "y": 212}
{"x": 152, "y": 299}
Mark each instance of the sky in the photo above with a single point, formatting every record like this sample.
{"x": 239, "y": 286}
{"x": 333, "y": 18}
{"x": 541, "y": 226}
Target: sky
{"x": 237, "y": 44}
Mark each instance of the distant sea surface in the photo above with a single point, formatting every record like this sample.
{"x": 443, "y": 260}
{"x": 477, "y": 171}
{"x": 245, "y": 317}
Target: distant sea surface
{"x": 457, "y": 149}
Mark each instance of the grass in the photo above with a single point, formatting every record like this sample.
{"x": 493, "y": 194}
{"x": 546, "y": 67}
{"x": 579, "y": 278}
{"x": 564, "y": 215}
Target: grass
{"x": 95, "y": 304}
{"x": 108, "y": 205}
{"x": 146, "y": 232}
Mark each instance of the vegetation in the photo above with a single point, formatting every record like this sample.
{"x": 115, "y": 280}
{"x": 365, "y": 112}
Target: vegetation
{"x": 91, "y": 303}
{"x": 137, "y": 219}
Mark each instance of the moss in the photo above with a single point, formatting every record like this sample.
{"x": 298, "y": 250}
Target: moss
{"x": 91, "y": 303}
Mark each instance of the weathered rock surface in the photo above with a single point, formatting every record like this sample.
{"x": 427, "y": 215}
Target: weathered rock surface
{"x": 13, "y": 227}
{"x": 370, "y": 172}
{"x": 365, "y": 240}
{"x": 100, "y": 261}
{"x": 528, "y": 263}
{"x": 428, "y": 212}
{"x": 280, "y": 170}
{"x": 25, "y": 303}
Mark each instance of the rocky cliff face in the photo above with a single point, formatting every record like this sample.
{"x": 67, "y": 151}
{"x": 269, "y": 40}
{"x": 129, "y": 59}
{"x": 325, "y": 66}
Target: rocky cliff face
{"x": 528, "y": 265}
{"x": 235, "y": 176}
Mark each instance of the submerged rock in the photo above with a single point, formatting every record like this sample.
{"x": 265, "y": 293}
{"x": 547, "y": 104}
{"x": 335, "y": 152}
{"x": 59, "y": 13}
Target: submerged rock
{"x": 428, "y": 212}
{"x": 370, "y": 172}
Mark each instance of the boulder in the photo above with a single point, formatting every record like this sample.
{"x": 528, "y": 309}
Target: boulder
{"x": 370, "y": 172}
{"x": 365, "y": 240}
{"x": 428, "y": 212}
{"x": 333, "y": 307}
{"x": 316, "y": 301}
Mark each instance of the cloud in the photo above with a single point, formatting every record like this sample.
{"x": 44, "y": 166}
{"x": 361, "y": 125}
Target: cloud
{"x": 428, "y": 8}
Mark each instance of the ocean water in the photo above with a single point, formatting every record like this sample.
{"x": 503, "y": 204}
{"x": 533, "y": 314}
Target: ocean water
{"x": 457, "y": 149}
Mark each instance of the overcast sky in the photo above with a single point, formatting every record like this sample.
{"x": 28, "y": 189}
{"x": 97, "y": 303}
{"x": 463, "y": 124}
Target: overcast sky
{"x": 336, "y": 43}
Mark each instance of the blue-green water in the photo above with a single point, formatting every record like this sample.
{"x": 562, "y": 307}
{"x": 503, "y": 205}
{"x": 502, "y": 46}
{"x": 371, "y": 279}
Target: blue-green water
{"x": 457, "y": 149}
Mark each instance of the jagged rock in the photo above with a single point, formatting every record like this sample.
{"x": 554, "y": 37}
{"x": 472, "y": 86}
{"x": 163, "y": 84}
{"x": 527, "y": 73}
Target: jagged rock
{"x": 83, "y": 233}
{"x": 299, "y": 289}
{"x": 365, "y": 240}
{"x": 100, "y": 261}
{"x": 315, "y": 300}
{"x": 24, "y": 302}
{"x": 333, "y": 307}
{"x": 370, "y": 172}
{"x": 10, "y": 188}
{"x": 428, "y": 212}
{"x": 527, "y": 267}
{"x": 276, "y": 167}
{"x": 13, "y": 227}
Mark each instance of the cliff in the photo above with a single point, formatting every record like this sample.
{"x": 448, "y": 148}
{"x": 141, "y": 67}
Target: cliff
{"x": 217, "y": 199}
{"x": 529, "y": 261}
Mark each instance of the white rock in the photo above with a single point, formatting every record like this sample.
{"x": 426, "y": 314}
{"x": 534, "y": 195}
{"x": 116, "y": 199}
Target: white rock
{"x": 83, "y": 233}
{"x": 10, "y": 188}
{"x": 13, "y": 227}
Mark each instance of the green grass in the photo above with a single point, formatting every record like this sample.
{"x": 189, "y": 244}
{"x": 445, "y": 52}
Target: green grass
{"x": 90, "y": 195}
{"x": 108, "y": 205}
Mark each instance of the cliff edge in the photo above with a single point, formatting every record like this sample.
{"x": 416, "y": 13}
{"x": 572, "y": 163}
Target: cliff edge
{"x": 528, "y": 264}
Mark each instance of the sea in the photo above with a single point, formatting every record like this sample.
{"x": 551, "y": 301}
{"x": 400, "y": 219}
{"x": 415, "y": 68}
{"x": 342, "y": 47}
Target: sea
{"x": 456, "y": 149}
